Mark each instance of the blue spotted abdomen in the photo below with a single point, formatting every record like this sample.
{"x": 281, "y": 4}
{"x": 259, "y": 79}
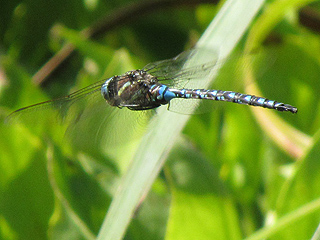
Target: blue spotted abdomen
{"x": 227, "y": 96}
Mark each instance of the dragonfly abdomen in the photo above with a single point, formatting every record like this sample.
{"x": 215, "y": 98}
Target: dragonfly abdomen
{"x": 230, "y": 96}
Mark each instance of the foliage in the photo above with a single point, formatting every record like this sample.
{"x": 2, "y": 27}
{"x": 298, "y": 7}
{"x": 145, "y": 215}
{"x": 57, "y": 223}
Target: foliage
{"x": 235, "y": 172}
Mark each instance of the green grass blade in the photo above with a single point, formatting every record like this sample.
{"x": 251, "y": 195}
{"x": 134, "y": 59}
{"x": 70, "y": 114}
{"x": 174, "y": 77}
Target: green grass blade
{"x": 223, "y": 34}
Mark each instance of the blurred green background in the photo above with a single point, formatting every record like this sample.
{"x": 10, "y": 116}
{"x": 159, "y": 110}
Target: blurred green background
{"x": 233, "y": 171}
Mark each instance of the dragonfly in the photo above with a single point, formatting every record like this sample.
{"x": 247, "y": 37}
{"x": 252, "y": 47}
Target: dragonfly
{"x": 155, "y": 85}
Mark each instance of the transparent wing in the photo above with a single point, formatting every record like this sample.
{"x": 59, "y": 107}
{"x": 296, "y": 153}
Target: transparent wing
{"x": 104, "y": 126}
{"x": 174, "y": 73}
{"x": 185, "y": 71}
{"x": 83, "y": 117}
{"x": 58, "y": 107}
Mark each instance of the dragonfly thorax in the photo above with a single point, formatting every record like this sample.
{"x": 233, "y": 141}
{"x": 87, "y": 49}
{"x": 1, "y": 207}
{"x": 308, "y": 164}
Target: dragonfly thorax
{"x": 136, "y": 90}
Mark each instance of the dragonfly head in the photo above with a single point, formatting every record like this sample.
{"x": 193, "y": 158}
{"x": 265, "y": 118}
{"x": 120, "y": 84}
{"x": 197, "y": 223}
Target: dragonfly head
{"x": 108, "y": 90}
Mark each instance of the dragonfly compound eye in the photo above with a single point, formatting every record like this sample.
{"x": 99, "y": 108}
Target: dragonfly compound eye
{"x": 107, "y": 89}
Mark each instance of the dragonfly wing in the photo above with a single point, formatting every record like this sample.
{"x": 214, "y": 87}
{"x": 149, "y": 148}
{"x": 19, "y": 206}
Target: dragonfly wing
{"x": 174, "y": 72}
{"x": 56, "y": 117}
{"x": 83, "y": 118}
{"x": 61, "y": 105}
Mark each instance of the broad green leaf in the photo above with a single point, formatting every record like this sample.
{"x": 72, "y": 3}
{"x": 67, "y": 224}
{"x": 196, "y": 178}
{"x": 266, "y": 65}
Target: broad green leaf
{"x": 201, "y": 207}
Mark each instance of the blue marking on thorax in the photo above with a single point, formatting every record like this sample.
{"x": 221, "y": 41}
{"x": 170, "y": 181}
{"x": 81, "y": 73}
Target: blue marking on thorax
{"x": 160, "y": 91}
